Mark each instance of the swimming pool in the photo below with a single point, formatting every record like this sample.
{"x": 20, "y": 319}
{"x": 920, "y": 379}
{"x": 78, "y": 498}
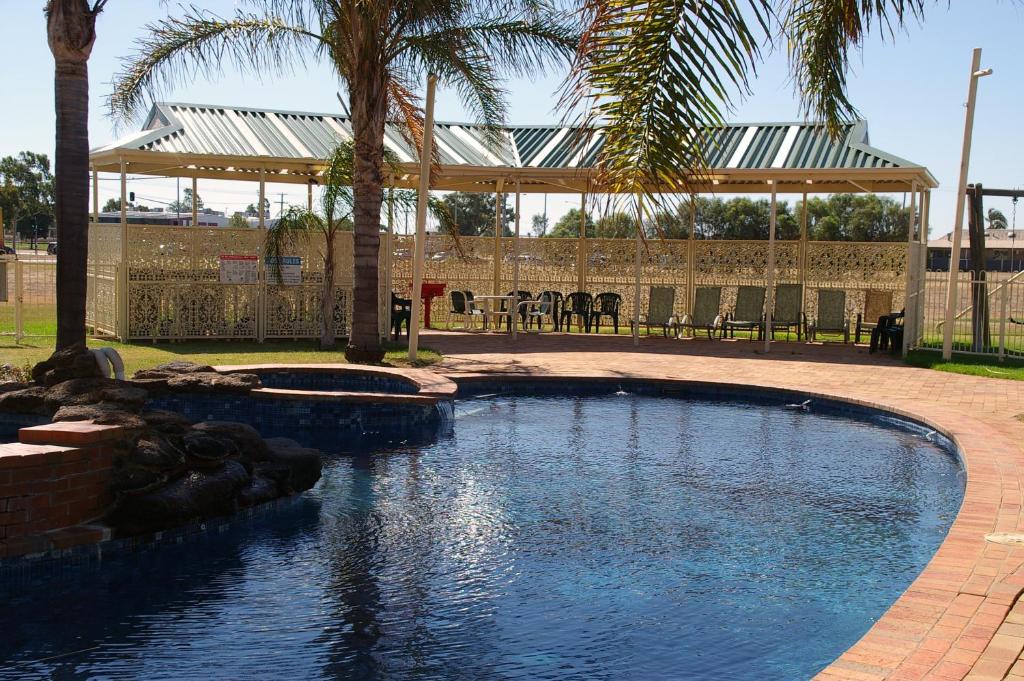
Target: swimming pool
{"x": 569, "y": 537}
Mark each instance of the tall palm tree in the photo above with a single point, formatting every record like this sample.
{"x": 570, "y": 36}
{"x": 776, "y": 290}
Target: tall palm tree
{"x": 381, "y": 50}
{"x": 71, "y": 32}
{"x": 653, "y": 68}
{"x": 337, "y": 206}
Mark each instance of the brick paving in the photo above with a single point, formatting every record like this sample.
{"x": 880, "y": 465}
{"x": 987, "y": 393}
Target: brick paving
{"x": 961, "y": 617}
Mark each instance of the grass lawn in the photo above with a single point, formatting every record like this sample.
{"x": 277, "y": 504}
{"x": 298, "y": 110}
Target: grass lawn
{"x": 1012, "y": 369}
{"x": 141, "y": 355}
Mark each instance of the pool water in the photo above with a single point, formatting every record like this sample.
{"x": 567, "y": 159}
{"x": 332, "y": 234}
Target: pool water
{"x": 600, "y": 537}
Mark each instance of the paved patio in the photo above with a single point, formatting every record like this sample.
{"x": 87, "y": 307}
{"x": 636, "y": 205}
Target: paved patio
{"x": 961, "y": 618}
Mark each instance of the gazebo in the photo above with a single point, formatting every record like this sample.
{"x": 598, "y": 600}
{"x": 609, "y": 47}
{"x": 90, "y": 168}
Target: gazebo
{"x": 159, "y": 282}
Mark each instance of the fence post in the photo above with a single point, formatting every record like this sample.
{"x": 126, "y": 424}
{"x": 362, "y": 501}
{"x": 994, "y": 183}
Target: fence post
{"x": 19, "y": 331}
{"x": 691, "y": 256}
{"x": 1002, "y": 321}
{"x": 910, "y": 294}
{"x": 581, "y": 249}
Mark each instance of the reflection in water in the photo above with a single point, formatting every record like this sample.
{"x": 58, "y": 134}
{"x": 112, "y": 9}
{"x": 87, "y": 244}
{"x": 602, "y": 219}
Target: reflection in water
{"x": 563, "y": 538}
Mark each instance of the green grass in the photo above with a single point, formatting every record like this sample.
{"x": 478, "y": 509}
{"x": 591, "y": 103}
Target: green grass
{"x": 141, "y": 355}
{"x": 972, "y": 365}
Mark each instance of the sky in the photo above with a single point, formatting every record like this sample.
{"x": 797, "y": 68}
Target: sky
{"x": 911, "y": 89}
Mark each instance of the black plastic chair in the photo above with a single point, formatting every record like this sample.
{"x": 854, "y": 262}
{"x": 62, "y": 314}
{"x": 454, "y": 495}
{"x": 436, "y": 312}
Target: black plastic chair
{"x": 605, "y": 305}
{"x": 462, "y": 305}
{"x": 578, "y": 304}
{"x": 522, "y": 296}
{"x": 557, "y": 305}
{"x": 401, "y": 311}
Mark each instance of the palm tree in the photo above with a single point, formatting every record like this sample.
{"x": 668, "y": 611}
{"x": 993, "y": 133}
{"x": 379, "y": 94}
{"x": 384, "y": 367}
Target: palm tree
{"x": 71, "y": 32}
{"x": 380, "y": 50}
{"x": 337, "y": 203}
{"x": 654, "y": 68}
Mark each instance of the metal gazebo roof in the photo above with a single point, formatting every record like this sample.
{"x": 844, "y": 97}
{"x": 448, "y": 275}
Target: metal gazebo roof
{"x": 239, "y": 143}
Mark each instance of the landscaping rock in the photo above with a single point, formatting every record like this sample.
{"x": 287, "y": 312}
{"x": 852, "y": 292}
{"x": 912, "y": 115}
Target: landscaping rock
{"x": 249, "y": 442}
{"x": 173, "y": 369}
{"x": 212, "y": 381}
{"x": 25, "y": 401}
{"x": 157, "y": 452}
{"x": 90, "y": 390}
{"x": 63, "y": 365}
{"x": 168, "y": 422}
{"x": 303, "y": 463}
{"x": 104, "y": 414}
{"x": 206, "y": 450}
{"x": 260, "y": 490}
{"x": 136, "y": 480}
{"x": 197, "y": 495}
{"x": 12, "y": 386}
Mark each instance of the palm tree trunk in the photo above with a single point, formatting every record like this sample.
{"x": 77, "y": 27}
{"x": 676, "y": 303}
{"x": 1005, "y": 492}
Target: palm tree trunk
{"x": 72, "y": 198}
{"x": 368, "y": 102}
{"x": 327, "y": 331}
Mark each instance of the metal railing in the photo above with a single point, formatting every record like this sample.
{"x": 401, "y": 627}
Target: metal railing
{"x": 28, "y": 297}
{"x": 989, "y": 318}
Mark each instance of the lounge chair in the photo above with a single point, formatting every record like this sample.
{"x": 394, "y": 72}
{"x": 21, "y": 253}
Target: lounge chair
{"x": 401, "y": 311}
{"x": 787, "y": 312}
{"x": 462, "y": 306}
{"x": 831, "y": 316}
{"x": 660, "y": 311}
{"x": 606, "y": 305}
{"x": 579, "y": 305}
{"x": 877, "y": 304}
{"x": 706, "y": 305}
{"x": 749, "y": 312}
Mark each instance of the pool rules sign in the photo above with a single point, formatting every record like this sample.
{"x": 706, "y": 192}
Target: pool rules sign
{"x": 289, "y": 267}
{"x": 239, "y": 269}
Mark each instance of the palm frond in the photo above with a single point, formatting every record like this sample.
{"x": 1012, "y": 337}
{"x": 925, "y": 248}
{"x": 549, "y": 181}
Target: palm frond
{"x": 199, "y": 43}
{"x": 658, "y": 73}
{"x": 821, "y": 34}
{"x": 292, "y": 229}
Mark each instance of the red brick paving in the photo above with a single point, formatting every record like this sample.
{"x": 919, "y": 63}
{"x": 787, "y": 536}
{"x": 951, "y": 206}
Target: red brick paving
{"x": 961, "y": 618}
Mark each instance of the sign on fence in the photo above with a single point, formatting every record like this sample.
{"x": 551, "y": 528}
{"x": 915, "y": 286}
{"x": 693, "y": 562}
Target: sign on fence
{"x": 290, "y": 270}
{"x": 239, "y": 269}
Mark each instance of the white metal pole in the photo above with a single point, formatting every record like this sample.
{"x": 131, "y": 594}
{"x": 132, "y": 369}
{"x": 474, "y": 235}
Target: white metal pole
{"x": 195, "y": 201}
{"x": 769, "y": 306}
{"x": 421, "y": 219}
{"x": 263, "y": 197}
{"x": 911, "y": 297}
{"x": 122, "y": 275}
{"x": 514, "y": 303}
{"x": 637, "y": 271}
{"x": 961, "y": 195}
{"x": 95, "y": 198}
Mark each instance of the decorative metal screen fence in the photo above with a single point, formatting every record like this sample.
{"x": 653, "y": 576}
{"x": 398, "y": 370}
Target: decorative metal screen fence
{"x": 172, "y": 285}
{"x": 988, "y": 317}
{"x": 28, "y": 297}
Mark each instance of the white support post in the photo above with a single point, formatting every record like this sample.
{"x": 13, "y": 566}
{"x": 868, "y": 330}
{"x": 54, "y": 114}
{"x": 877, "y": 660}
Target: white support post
{"x": 389, "y": 249}
{"x": 195, "y": 200}
{"x": 961, "y": 195}
{"x": 910, "y": 297}
{"x": 421, "y": 219}
{"x": 122, "y": 275}
{"x": 802, "y": 261}
{"x": 19, "y": 289}
{"x": 263, "y": 198}
{"x": 309, "y": 200}
{"x": 514, "y": 304}
{"x": 637, "y": 270}
{"x": 581, "y": 247}
{"x": 95, "y": 197}
{"x": 498, "y": 201}
{"x": 769, "y": 305}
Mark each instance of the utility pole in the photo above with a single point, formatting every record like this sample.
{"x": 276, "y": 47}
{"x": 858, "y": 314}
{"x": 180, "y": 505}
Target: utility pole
{"x": 281, "y": 213}
{"x": 961, "y": 196}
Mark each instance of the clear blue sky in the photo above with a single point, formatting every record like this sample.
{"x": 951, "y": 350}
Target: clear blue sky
{"x": 911, "y": 91}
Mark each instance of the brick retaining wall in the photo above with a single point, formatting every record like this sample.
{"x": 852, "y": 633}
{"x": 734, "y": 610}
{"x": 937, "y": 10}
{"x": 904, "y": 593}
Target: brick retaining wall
{"x": 52, "y": 483}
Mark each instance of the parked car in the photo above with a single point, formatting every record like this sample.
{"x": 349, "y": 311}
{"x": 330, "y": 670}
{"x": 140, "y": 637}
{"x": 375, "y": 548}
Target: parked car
{"x": 51, "y": 248}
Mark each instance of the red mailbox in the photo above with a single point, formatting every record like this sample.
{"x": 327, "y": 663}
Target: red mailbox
{"x": 428, "y": 291}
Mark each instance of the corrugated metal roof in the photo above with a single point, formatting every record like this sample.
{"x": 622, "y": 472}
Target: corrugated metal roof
{"x": 241, "y": 132}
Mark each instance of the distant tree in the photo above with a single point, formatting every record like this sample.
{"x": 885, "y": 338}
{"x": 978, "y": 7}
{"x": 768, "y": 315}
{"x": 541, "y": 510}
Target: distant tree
{"x": 474, "y": 213}
{"x": 26, "y": 185}
{"x": 856, "y": 217}
{"x": 252, "y": 211}
{"x": 569, "y": 225}
{"x": 114, "y": 205}
{"x": 617, "y": 225}
{"x": 185, "y": 204}
{"x": 539, "y": 225}
{"x": 669, "y": 224}
{"x": 238, "y": 221}
{"x": 997, "y": 219}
